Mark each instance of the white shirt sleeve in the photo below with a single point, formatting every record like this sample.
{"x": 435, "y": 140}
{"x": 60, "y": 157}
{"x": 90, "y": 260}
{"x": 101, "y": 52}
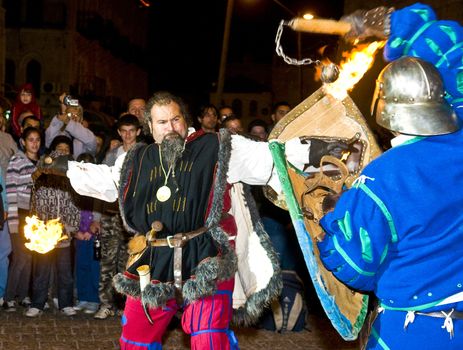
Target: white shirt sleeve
{"x": 251, "y": 161}
{"x": 96, "y": 180}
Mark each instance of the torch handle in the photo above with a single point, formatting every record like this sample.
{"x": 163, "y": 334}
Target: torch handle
{"x": 321, "y": 26}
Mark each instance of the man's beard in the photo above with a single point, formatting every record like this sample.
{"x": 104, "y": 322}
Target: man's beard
{"x": 172, "y": 147}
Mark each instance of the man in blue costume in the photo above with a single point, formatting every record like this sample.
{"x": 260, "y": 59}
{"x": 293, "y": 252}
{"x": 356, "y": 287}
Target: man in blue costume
{"x": 398, "y": 230}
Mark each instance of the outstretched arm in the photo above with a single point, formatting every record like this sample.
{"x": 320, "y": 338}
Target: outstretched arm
{"x": 96, "y": 180}
{"x": 251, "y": 161}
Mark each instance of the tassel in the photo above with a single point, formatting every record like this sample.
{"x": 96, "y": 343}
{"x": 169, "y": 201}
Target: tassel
{"x": 448, "y": 323}
{"x": 409, "y": 318}
{"x": 361, "y": 180}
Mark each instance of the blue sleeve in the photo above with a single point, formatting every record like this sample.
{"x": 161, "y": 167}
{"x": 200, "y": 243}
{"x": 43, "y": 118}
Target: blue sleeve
{"x": 415, "y": 31}
{"x": 358, "y": 235}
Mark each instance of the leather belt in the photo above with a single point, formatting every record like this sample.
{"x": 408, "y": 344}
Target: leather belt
{"x": 177, "y": 242}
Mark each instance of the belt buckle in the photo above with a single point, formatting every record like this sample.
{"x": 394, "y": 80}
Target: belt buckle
{"x": 168, "y": 238}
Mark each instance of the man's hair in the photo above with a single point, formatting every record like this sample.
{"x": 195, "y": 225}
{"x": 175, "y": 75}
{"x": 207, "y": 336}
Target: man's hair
{"x": 230, "y": 118}
{"x": 225, "y": 106}
{"x": 163, "y": 98}
{"x": 128, "y": 120}
{"x": 33, "y": 117}
{"x": 205, "y": 108}
{"x": 135, "y": 98}
{"x": 279, "y": 104}
{"x": 29, "y": 130}
{"x": 258, "y": 122}
{"x": 86, "y": 158}
{"x": 61, "y": 139}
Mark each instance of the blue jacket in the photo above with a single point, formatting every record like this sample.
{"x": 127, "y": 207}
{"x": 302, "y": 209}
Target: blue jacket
{"x": 400, "y": 232}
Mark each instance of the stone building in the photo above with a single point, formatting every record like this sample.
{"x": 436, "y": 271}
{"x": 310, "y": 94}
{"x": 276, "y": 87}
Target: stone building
{"x": 93, "y": 49}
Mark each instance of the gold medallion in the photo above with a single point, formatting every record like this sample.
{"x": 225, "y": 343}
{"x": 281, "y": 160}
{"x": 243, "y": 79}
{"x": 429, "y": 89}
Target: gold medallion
{"x": 163, "y": 193}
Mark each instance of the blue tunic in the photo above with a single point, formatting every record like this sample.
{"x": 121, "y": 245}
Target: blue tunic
{"x": 399, "y": 232}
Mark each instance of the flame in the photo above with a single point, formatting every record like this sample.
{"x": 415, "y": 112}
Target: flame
{"x": 145, "y": 3}
{"x": 352, "y": 69}
{"x": 43, "y": 236}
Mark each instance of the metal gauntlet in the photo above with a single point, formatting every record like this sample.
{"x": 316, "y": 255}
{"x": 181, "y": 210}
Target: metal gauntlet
{"x": 373, "y": 23}
{"x": 52, "y": 165}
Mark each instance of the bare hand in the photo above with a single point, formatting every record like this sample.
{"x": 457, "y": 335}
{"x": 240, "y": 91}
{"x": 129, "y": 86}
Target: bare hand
{"x": 87, "y": 236}
{"x": 79, "y": 235}
{"x": 95, "y": 227}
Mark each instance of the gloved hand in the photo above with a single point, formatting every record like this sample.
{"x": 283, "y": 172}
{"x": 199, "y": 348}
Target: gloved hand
{"x": 52, "y": 164}
{"x": 329, "y": 202}
{"x": 372, "y": 23}
{"x": 320, "y": 148}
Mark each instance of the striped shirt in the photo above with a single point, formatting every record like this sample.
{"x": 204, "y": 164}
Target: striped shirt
{"x": 18, "y": 187}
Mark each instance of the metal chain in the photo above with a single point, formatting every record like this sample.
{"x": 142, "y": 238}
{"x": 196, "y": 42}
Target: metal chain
{"x": 289, "y": 60}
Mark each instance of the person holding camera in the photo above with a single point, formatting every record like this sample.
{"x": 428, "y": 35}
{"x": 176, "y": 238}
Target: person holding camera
{"x": 68, "y": 122}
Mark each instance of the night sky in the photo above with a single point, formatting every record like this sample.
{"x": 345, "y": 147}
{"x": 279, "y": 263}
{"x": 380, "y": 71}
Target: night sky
{"x": 186, "y": 38}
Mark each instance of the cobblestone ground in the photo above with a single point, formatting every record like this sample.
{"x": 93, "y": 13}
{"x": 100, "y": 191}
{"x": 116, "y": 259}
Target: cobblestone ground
{"x": 53, "y": 331}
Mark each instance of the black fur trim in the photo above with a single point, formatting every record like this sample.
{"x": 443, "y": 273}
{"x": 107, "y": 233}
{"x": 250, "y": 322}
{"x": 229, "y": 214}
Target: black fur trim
{"x": 222, "y": 267}
{"x": 251, "y": 311}
{"x": 157, "y": 294}
{"x": 220, "y": 184}
{"x": 126, "y": 172}
{"x": 126, "y": 286}
{"x": 204, "y": 283}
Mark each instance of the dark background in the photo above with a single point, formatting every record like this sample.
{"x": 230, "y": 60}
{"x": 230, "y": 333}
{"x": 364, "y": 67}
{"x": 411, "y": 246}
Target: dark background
{"x": 186, "y": 38}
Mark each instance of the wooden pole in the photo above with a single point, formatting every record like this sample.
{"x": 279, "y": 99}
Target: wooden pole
{"x": 223, "y": 57}
{"x": 321, "y": 26}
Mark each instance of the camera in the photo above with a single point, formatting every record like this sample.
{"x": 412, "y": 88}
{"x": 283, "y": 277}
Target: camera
{"x": 69, "y": 101}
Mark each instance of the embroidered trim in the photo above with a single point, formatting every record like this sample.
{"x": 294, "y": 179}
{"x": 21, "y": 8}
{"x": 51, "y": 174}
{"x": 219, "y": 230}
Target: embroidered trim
{"x": 416, "y": 36}
{"x": 383, "y": 208}
{"x": 367, "y": 253}
{"x": 444, "y": 57}
{"x": 349, "y": 260}
{"x": 380, "y": 341}
{"x": 345, "y": 226}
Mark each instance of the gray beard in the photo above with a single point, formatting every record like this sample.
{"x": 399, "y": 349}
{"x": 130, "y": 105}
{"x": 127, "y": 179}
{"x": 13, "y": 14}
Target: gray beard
{"x": 172, "y": 147}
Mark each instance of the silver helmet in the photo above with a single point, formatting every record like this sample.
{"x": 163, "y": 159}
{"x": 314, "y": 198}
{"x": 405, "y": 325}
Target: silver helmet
{"x": 409, "y": 99}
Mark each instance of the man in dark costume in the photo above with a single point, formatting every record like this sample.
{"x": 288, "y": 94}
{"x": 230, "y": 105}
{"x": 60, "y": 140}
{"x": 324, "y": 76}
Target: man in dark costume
{"x": 182, "y": 197}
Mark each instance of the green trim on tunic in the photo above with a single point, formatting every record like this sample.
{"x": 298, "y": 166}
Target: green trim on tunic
{"x": 383, "y": 208}
{"x": 378, "y": 339}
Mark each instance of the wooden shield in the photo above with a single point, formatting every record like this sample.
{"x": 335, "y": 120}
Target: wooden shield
{"x": 322, "y": 116}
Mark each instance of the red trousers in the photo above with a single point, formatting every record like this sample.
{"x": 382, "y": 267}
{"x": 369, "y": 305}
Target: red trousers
{"x": 206, "y": 319}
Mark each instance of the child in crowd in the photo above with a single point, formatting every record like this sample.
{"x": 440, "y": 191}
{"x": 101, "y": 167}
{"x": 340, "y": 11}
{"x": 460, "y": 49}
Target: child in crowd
{"x": 87, "y": 263}
{"x": 18, "y": 188}
{"x": 25, "y": 101}
{"x": 54, "y": 198}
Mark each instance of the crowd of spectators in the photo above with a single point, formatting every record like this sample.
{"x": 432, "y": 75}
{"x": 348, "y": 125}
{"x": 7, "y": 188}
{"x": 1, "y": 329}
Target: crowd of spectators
{"x": 74, "y": 277}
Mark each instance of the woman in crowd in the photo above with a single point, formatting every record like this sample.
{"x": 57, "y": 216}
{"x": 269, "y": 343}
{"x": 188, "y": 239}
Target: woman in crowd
{"x": 18, "y": 188}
